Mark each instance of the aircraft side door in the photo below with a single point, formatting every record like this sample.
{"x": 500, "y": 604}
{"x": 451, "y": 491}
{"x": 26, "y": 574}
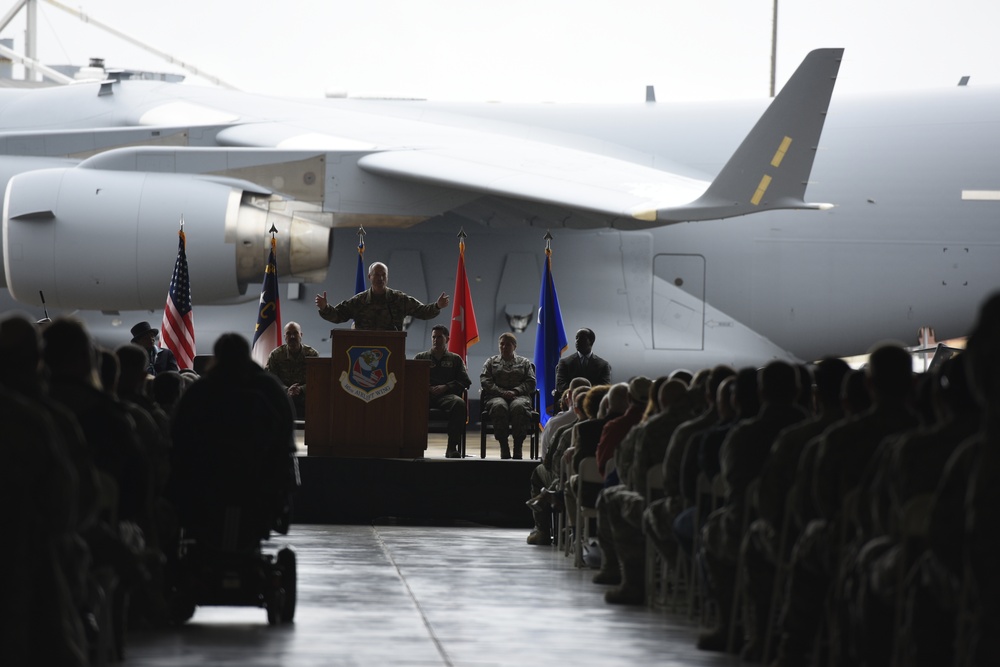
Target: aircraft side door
{"x": 678, "y": 300}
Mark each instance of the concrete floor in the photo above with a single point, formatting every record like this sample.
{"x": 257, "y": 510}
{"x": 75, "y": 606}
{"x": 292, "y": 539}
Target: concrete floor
{"x": 452, "y": 596}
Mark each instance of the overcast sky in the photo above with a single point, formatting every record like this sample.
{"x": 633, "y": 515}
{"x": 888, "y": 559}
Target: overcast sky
{"x": 532, "y": 50}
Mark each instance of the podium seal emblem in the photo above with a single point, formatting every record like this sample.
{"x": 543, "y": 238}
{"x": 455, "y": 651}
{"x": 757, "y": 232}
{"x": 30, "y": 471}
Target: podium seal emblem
{"x": 368, "y": 377}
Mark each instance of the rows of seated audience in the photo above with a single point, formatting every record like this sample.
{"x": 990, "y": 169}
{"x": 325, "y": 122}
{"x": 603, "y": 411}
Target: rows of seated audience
{"x": 93, "y": 474}
{"x": 806, "y": 515}
{"x": 810, "y": 514}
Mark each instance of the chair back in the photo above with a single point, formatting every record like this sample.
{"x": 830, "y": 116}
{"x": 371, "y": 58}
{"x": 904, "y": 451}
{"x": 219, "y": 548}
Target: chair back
{"x": 586, "y": 472}
{"x": 438, "y": 421}
{"x": 486, "y": 427}
{"x": 654, "y": 483}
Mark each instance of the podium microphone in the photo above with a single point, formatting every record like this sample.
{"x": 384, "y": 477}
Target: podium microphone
{"x": 44, "y": 309}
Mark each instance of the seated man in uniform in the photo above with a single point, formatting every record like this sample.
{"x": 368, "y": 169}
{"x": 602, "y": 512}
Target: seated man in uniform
{"x": 583, "y": 363}
{"x": 508, "y": 383}
{"x": 448, "y": 379}
{"x": 288, "y": 363}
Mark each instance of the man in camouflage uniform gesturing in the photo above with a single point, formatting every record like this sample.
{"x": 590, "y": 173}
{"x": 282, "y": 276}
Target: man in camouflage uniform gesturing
{"x": 379, "y": 308}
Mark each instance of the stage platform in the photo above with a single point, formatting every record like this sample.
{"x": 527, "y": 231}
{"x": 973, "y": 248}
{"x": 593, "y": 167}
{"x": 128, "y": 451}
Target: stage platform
{"x": 433, "y": 489}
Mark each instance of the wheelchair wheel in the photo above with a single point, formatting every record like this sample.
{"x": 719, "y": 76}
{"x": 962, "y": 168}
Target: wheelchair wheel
{"x": 180, "y": 609}
{"x": 286, "y": 563}
{"x": 274, "y": 606}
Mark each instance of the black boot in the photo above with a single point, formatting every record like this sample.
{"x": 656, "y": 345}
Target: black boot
{"x": 723, "y": 582}
{"x": 632, "y": 589}
{"x": 756, "y": 631}
{"x": 504, "y": 449}
{"x": 517, "y": 450}
{"x": 790, "y": 652}
{"x": 610, "y": 572}
{"x": 540, "y": 535}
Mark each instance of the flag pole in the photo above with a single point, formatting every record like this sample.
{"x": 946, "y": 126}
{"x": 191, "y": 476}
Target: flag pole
{"x": 463, "y": 332}
{"x": 273, "y": 231}
{"x": 359, "y": 277}
{"x": 273, "y": 266}
{"x": 177, "y": 327}
{"x": 267, "y": 333}
{"x": 550, "y": 336}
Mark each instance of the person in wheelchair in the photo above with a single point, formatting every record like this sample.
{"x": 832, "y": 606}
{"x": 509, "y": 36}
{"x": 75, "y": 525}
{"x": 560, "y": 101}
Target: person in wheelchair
{"x": 233, "y": 471}
{"x": 233, "y": 450}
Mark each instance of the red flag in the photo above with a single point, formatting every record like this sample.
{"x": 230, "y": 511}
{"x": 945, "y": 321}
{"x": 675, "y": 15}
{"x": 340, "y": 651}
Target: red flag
{"x": 177, "y": 330}
{"x": 464, "y": 332}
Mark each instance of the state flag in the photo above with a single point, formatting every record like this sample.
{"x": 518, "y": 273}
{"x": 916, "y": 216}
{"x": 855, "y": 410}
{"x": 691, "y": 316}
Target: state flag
{"x": 267, "y": 333}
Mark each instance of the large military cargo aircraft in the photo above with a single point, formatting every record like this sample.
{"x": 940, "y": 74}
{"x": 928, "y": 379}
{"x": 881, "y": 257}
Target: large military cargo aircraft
{"x": 683, "y": 234}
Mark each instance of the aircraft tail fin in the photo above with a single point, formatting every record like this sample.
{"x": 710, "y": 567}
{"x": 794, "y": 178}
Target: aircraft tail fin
{"x": 771, "y": 167}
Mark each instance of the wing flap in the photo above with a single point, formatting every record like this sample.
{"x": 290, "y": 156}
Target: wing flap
{"x": 769, "y": 170}
{"x": 541, "y": 173}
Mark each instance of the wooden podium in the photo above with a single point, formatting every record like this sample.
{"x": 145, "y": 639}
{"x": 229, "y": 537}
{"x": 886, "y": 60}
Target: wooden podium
{"x": 367, "y": 400}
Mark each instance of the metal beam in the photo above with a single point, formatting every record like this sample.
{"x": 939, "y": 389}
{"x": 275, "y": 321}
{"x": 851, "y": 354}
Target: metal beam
{"x": 131, "y": 40}
{"x": 35, "y": 66}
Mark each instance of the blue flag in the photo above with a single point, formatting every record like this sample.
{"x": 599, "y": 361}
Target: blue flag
{"x": 550, "y": 339}
{"x": 359, "y": 279}
{"x": 267, "y": 334}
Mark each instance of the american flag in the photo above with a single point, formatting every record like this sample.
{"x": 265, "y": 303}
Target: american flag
{"x": 177, "y": 330}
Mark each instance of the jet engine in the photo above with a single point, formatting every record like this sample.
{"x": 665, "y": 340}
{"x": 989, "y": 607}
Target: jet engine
{"x": 108, "y": 240}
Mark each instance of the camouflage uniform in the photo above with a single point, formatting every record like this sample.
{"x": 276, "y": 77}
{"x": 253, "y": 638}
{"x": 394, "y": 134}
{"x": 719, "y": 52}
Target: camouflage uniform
{"x": 517, "y": 375}
{"x": 620, "y": 508}
{"x": 384, "y": 312}
{"x": 449, "y": 370}
{"x": 291, "y": 369}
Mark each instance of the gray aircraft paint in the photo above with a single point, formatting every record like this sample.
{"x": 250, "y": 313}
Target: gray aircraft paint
{"x": 900, "y": 250}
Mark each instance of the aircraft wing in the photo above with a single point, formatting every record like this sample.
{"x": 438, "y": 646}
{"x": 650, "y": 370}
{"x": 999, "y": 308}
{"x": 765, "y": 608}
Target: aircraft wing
{"x": 768, "y": 171}
{"x": 544, "y": 174}
{"x": 428, "y": 167}
{"x": 327, "y": 158}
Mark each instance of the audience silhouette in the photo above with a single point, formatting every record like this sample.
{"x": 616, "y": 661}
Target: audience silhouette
{"x": 860, "y": 525}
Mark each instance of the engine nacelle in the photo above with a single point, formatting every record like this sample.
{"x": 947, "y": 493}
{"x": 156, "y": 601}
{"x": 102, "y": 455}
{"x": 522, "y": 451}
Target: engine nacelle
{"x": 107, "y": 240}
